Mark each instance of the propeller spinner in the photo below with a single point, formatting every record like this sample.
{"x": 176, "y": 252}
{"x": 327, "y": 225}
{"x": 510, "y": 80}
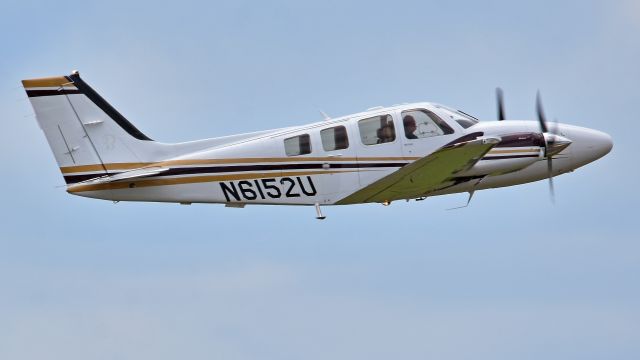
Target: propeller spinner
{"x": 554, "y": 143}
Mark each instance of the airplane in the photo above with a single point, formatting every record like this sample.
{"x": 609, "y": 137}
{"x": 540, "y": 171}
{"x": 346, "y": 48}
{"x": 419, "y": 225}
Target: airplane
{"x": 402, "y": 152}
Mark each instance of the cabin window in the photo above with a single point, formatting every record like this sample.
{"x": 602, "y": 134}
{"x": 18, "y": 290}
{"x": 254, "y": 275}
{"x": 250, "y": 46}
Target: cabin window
{"x": 422, "y": 123}
{"x": 297, "y": 145}
{"x": 334, "y": 138}
{"x": 377, "y": 130}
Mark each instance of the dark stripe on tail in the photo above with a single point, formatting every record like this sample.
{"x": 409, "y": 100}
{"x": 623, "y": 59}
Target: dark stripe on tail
{"x": 37, "y": 93}
{"x": 106, "y": 107}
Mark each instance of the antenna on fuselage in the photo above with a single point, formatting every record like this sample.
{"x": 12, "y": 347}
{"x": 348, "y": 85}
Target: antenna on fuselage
{"x": 325, "y": 116}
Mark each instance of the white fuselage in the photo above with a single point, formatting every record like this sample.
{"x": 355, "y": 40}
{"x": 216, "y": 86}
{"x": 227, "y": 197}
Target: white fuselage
{"x": 256, "y": 169}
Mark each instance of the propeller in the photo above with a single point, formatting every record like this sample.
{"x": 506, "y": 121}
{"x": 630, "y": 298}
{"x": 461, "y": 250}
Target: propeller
{"x": 553, "y": 142}
{"x": 500, "y": 99}
{"x": 540, "y": 111}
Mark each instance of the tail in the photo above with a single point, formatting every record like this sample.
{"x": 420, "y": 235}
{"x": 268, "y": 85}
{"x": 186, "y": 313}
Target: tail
{"x": 88, "y": 137}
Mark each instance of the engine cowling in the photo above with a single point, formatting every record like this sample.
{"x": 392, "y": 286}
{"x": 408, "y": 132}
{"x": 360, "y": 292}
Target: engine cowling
{"x": 512, "y": 153}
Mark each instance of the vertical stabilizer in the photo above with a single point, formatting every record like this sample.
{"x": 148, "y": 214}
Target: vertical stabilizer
{"x": 88, "y": 137}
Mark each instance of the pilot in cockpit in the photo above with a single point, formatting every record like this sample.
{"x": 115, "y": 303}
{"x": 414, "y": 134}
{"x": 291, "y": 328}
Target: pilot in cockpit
{"x": 409, "y": 127}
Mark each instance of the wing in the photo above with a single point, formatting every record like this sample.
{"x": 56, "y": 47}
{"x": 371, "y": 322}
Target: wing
{"x": 425, "y": 174}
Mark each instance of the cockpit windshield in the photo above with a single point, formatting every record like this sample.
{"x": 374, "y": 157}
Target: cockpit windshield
{"x": 465, "y": 120}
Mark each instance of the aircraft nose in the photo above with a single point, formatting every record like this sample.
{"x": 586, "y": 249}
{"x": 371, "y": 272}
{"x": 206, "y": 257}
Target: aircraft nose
{"x": 600, "y": 144}
{"x": 588, "y": 145}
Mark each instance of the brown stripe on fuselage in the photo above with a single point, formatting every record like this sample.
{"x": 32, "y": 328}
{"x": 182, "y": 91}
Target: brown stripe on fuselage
{"x": 495, "y": 151}
{"x": 188, "y": 180}
{"x": 235, "y": 168}
{"x": 131, "y": 166}
{"x": 98, "y": 170}
{"x": 98, "y": 167}
{"x": 274, "y": 160}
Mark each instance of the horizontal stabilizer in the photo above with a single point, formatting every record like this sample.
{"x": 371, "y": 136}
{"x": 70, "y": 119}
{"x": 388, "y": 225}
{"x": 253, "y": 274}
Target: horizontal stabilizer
{"x": 127, "y": 175}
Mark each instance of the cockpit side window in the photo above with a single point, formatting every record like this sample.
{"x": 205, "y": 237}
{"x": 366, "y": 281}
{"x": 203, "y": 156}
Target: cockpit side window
{"x": 421, "y": 123}
{"x": 334, "y": 138}
{"x": 465, "y": 123}
{"x": 377, "y": 130}
{"x": 462, "y": 118}
{"x": 297, "y": 145}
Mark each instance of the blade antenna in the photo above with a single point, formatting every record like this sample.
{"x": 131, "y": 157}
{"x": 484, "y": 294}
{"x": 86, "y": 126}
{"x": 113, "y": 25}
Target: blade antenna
{"x": 500, "y": 102}
{"x": 325, "y": 116}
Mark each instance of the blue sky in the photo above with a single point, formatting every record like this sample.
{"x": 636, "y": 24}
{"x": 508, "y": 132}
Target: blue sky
{"x": 512, "y": 276}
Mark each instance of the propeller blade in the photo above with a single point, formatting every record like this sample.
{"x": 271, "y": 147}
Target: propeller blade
{"x": 540, "y": 111}
{"x": 548, "y": 144}
{"x": 552, "y": 192}
{"x": 500, "y": 99}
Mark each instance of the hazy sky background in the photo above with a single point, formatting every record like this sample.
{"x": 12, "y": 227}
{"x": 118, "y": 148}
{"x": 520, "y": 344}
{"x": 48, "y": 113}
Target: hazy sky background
{"x": 510, "y": 277}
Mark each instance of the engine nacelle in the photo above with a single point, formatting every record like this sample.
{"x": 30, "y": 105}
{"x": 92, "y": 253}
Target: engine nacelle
{"x": 513, "y": 152}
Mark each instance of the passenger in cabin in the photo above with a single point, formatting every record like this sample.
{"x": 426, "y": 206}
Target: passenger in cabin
{"x": 386, "y": 134}
{"x": 409, "y": 127}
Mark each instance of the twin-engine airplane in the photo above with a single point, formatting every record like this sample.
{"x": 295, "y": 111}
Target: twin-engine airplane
{"x": 409, "y": 151}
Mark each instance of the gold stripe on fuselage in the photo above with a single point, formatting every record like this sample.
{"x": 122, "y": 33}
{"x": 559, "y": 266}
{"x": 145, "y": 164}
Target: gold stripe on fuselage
{"x": 189, "y": 180}
{"x": 230, "y": 161}
{"x": 98, "y": 167}
{"x": 511, "y": 151}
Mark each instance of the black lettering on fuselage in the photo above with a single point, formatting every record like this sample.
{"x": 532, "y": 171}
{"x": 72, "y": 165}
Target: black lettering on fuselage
{"x": 313, "y": 188}
{"x": 259, "y": 189}
{"x": 292, "y": 184}
{"x": 267, "y": 185}
{"x": 246, "y": 190}
{"x": 251, "y": 190}
{"x": 226, "y": 190}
